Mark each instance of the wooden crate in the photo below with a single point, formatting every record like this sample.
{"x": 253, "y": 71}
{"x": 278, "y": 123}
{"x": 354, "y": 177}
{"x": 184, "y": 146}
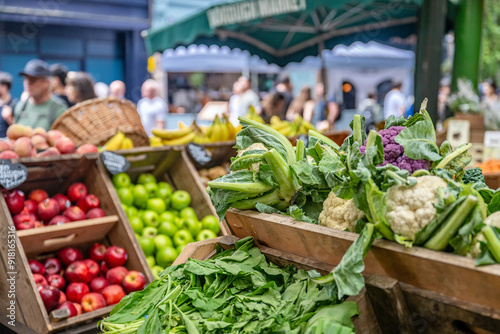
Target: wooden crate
{"x": 365, "y": 323}
{"x": 174, "y": 166}
{"x": 55, "y": 175}
{"x": 451, "y": 275}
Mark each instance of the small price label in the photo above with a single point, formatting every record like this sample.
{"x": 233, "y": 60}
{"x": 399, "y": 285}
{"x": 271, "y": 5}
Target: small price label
{"x": 199, "y": 154}
{"x": 491, "y": 145}
{"x": 115, "y": 163}
{"x": 458, "y": 132}
{"x": 12, "y": 175}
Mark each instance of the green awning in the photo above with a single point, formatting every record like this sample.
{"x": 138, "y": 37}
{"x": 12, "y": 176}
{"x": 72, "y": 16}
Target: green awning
{"x": 288, "y": 30}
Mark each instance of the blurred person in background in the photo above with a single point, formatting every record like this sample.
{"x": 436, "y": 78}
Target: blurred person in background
{"x": 79, "y": 87}
{"x": 273, "y": 105}
{"x": 248, "y": 98}
{"x": 101, "y": 90}
{"x": 370, "y": 109}
{"x": 394, "y": 102}
{"x": 320, "y": 106}
{"x": 152, "y": 108}
{"x": 302, "y": 105}
{"x": 286, "y": 89}
{"x": 41, "y": 108}
{"x": 490, "y": 92}
{"x": 234, "y": 101}
{"x": 7, "y": 102}
{"x": 117, "y": 89}
{"x": 59, "y": 73}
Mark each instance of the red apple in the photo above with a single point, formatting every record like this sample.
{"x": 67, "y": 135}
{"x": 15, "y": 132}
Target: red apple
{"x": 115, "y": 256}
{"x": 134, "y": 281}
{"x": 38, "y": 224}
{"x": 92, "y": 266}
{"x": 88, "y": 202}
{"x": 50, "y": 297}
{"x": 95, "y": 213}
{"x": 76, "y": 191}
{"x": 62, "y": 299}
{"x": 63, "y": 202}
{"x": 69, "y": 255}
{"x": 103, "y": 267}
{"x": 39, "y": 279}
{"x": 77, "y": 272}
{"x": 116, "y": 275}
{"x": 15, "y": 201}
{"x": 93, "y": 301}
{"x": 30, "y": 205}
{"x": 36, "y": 267}
{"x": 74, "y": 213}
{"x": 71, "y": 308}
{"x": 97, "y": 252}
{"x": 23, "y": 221}
{"x": 53, "y": 136}
{"x": 38, "y": 195}
{"x": 79, "y": 308}
{"x": 56, "y": 281}
{"x": 52, "y": 266}
{"x": 59, "y": 220}
{"x": 87, "y": 148}
{"x": 75, "y": 292}
{"x": 113, "y": 294}
{"x": 65, "y": 145}
{"x": 47, "y": 209}
{"x": 98, "y": 284}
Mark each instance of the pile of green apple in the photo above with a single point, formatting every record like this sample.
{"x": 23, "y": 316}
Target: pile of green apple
{"x": 161, "y": 218}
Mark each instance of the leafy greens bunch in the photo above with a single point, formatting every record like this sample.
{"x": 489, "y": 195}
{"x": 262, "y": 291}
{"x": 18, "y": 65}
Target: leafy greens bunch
{"x": 238, "y": 291}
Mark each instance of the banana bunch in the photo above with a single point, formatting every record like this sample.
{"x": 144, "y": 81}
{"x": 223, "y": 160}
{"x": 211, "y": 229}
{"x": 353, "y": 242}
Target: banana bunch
{"x": 220, "y": 130}
{"x": 119, "y": 142}
{"x": 182, "y": 136}
{"x": 252, "y": 114}
{"x": 291, "y": 129}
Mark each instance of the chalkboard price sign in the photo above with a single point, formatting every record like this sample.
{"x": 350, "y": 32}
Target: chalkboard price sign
{"x": 115, "y": 163}
{"x": 12, "y": 175}
{"x": 199, "y": 154}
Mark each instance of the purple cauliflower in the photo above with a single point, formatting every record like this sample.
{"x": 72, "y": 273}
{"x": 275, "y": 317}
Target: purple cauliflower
{"x": 394, "y": 152}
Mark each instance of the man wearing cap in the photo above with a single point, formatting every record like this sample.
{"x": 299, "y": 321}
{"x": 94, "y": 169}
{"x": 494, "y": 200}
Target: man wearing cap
{"x": 59, "y": 73}
{"x": 7, "y": 102}
{"x": 41, "y": 108}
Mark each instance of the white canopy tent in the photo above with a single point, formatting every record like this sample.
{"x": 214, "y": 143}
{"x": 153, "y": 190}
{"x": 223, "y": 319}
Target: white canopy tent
{"x": 365, "y": 66}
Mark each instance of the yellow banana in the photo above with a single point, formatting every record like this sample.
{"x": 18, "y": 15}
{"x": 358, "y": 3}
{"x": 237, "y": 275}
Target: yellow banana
{"x": 172, "y": 134}
{"x": 181, "y": 125}
{"x": 231, "y": 134}
{"x": 181, "y": 140}
{"x": 215, "y": 135}
{"x": 127, "y": 143}
{"x": 115, "y": 142}
{"x": 275, "y": 120}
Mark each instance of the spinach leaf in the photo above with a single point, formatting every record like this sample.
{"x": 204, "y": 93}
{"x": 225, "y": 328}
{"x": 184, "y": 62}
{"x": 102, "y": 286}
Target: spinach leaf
{"x": 393, "y": 121}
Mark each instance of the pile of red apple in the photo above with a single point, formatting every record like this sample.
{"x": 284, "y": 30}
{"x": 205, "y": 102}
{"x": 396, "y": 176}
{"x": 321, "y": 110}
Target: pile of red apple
{"x": 23, "y": 141}
{"x": 83, "y": 285}
{"x": 39, "y": 210}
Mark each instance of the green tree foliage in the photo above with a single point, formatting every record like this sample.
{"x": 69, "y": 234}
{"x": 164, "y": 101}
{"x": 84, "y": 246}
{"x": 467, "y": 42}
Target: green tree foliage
{"x": 491, "y": 39}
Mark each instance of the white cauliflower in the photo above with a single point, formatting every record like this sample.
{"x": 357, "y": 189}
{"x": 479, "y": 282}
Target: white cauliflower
{"x": 255, "y": 146}
{"x": 339, "y": 213}
{"x": 475, "y": 250}
{"x": 410, "y": 208}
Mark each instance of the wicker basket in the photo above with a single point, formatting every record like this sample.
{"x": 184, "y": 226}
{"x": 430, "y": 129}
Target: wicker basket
{"x": 95, "y": 121}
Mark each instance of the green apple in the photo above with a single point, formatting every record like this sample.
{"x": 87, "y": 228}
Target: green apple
{"x": 164, "y": 190}
{"x": 167, "y": 216}
{"x": 166, "y": 256}
{"x": 192, "y": 225}
{"x": 137, "y": 224}
{"x": 140, "y": 196}
{"x": 150, "y": 218}
{"x": 147, "y": 245}
{"x": 150, "y": 232}
{"x": 124, "y": 207}
{"x": 131, "y": 211}
{"x": 156, "y": 204}
{"x": 188, "y": 213}
{"x": 211, "y": 222}
{"x": 182, "y": 237}
{"x": 168, "y": 228}
{"x": 180, "y": 248}
{"x": 125, "y": 195}
{"x": 146, "y": 178}
{"x": 121, "y": 180}
{"x": 137, "y": 236}
{"x": 156, "y": 270}
{"x": 151, "y": 188}
{"x": 151, "y": 261}
{"x": 180, "y": 200}
{"x": 205, "y": 234}
{"x": 179, "y": 222}
{"x": 162, "y": 241}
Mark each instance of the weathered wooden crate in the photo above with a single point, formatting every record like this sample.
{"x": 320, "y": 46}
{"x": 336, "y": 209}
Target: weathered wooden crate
{"x": 447, "y": 274}
{"x": 174, "y": 166}
{"x": 55, "y": 174}
{"x": 365, "y": 323}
